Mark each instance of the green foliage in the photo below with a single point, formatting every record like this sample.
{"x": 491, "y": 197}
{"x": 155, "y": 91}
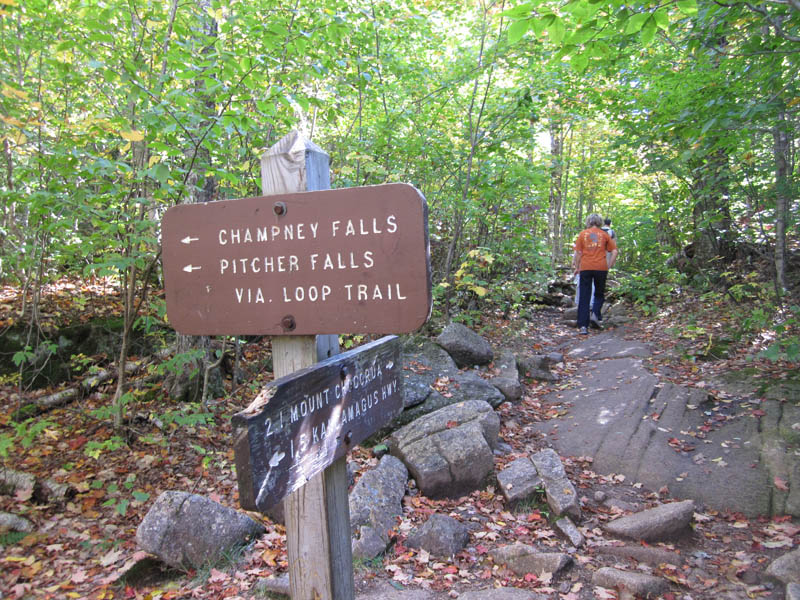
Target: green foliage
{"x": 190, "y": 414}
{"x": 94, "y": 449}
{"x": 10, "y": 538}
{"x": 787, "y": 339}
{"x": 651, "y": 289}
{"x": 23, "y": 356}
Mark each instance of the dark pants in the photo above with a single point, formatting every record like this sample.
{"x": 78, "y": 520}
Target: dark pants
{"x": 585, "y": 285}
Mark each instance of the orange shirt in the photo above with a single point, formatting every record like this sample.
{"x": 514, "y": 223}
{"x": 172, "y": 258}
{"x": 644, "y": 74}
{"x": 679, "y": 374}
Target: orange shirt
{"x": 593, "y": 243}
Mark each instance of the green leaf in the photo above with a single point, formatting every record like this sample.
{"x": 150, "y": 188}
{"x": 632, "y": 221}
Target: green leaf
{"x": 583, "y": 34}
{"x": 521, "y": 11}
{"x": 636, "y": 22}
{"x": 557, "y": 30}
{"x": 688, "y": 7}
{"x": 648, "y": 32}
{"x": 122, "y": 506}
{"x": 159, "y": 172}
{"x": 517, "y": 30}
{"x": 708, "y": 124}
{"x": 579, "y": 62}
{"x": 538, "y": 26}
{"x": 141, "y": 496}
{"x": 661, "y": 17}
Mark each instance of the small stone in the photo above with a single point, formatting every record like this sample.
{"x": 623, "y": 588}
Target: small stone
{"x": 518, "y": 480}
{"x": 272, "y": 585}
{"x": 523, "y": 559}
{"x": 568, "y": 529}
{"x": 643, "y": 554}
{"x": 638, "y": 584}
{"x": 441, "y": 535}
{"x": 599, "y": 496}
{"x": 662, "y": 522}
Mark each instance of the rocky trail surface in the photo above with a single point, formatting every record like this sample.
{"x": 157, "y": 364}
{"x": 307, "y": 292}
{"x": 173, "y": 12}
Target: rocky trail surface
{"x": 634, "y": 441}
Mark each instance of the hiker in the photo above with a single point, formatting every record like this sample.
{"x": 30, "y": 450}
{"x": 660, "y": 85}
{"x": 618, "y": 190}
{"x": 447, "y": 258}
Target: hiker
{"x": 595, "y": 253}
{"x": 609, "y": 231}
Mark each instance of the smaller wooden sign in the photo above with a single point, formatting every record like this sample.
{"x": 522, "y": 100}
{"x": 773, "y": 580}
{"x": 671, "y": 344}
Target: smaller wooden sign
{"x": 301, "y": 423}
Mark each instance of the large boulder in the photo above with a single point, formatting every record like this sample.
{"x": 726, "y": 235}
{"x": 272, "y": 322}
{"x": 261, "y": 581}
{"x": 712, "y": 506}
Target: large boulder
{"x": 189, "y": 531}
{"x": 375, "y": 503}
{"x": 423, "y": 363}
{"x": 786, "y": 568}
{"x": 449, "y": 451}
{"x": 466, "y": 347}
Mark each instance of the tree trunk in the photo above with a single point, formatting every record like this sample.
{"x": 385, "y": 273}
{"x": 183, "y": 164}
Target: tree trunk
{"x": 780, "y": 137}
{"x": 713, "y": 238}
{"x": 556, "y": 172}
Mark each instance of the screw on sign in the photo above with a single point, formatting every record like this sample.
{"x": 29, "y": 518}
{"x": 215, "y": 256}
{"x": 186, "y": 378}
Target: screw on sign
{"x": 352, "y": 260}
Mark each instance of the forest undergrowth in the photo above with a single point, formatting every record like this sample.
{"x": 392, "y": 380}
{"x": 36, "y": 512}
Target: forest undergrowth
{"x": 84, "y": 547}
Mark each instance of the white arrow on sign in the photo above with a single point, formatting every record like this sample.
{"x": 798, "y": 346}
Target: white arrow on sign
{"x": 189, "y": 240}
{"x": 190, "y": 268}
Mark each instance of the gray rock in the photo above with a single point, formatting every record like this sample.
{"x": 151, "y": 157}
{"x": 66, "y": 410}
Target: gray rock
{"x": 610, "y": 418}
{"x": 786, "y": 568}
{"x": 375, "y": 503}
{"x": 501, "y": 594}
{"x": 654, "y": 524}
{"x": 518, "y": 481}
{"x": 600, "y": 496}
{"x": 466, "y": 347}
{"x": 643, "y": 554}
{"x": 536, "y": 367}
{"x": 568, "y": 529}
{"x": 189, "y": 531}
{"x": 555, "y": 357}
{"x": 638, "y": 584}
{"x": 423, "y": 362}
{"x": 523, "y": 559}
{"x": 469, "y": 385}
{"x": 441, "y": 535}
{"x": 562, "y": 497}
{"x": 510, "y": 388}
{"x": 793, "y": 591}
{"x": 449, "y": 451}
{"x": 275, "y": 584}
{"x": 506, "y": 364}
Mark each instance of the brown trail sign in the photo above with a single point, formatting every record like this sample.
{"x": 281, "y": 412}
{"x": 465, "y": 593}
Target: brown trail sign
{"x": 295, "y": 264}
{"x": 351, "y": 260}
{"x": 299, "y": 424}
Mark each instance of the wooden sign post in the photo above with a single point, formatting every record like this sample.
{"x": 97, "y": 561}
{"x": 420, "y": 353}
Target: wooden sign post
{"x": 301, "y": 261}
{"x": 317, "y": 515}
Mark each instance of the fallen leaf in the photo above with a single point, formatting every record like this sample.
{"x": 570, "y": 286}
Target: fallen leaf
{"x": 781, "y": 484}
